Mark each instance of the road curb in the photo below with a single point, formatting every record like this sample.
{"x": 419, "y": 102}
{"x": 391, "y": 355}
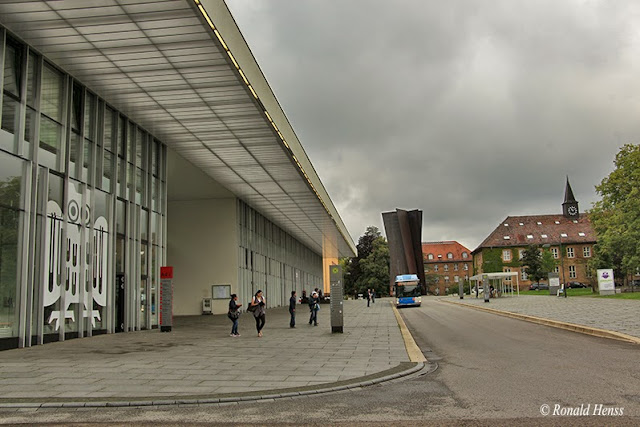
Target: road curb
{"x": 414, "y": 352}
{"x": 186, "y": 400}
{"x": 587, "y": 330}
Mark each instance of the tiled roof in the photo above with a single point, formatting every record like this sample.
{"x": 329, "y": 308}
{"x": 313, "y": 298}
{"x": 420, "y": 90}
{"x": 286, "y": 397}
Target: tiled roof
{"x": 443, "y": 248}
{"x": 540, "y": 230}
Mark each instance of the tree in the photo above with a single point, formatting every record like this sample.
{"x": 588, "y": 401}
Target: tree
{"x": 616, "y": 218}
{"x": 375, "y": 268}
{"x": 370, "y": 268}
{"x": 532, "y": 263}
{"x": 548, "y": 262}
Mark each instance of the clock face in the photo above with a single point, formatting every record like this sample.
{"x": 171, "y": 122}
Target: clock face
{"x": 572, "y": 210}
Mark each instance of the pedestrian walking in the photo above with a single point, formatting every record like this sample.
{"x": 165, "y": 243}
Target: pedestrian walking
{"x": 234, "y": 314}
{"x": 373, "y": 296}
{"x": 292, "y": 309}
{"x": 258, "y": 301}
{"x": 368, "y": 297}
{"x": 314, "y": 307}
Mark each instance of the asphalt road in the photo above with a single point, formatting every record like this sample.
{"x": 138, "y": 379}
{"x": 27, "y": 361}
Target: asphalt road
{"x": 486, "y": 370}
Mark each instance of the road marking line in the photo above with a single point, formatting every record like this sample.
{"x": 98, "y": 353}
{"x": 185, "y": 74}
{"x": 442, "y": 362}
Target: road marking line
{"x": 413, "y": 351}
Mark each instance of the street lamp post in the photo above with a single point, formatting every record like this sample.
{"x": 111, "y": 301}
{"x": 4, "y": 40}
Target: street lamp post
{"x": 564, "y": 282}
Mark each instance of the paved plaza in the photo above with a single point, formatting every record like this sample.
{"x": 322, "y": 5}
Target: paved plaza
{"x": 199, "y": 359}
{"x": 199, "y": 362}
{"x": 611, "y": 314}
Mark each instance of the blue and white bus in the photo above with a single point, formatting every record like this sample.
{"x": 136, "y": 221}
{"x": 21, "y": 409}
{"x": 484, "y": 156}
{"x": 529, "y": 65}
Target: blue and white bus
{"x": 407, "y": 290}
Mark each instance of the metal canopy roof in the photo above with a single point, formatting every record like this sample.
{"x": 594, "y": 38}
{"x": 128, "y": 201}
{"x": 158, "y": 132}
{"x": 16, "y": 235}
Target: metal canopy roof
{"x": 181, "y": 69}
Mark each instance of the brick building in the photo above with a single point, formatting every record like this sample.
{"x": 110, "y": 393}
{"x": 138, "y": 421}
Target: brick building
{"x": 569, "y": 236}
{"x": 445, "y": 264}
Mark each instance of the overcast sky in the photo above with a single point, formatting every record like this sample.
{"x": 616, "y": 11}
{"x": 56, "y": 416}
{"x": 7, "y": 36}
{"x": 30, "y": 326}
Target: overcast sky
{"x": 468, "y": 110}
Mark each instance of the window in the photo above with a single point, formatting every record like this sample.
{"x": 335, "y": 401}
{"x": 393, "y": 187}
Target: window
{"x": 529, "y": 236}
{"x": 446, "y": 279}
{"x": 430, "y": 256}
{"x": 449, "y": 255}
{"x": 586, "y": 251}
{"x": 446, "y": 267}
{"x": 466, "y": 267}
{"x": 465, "y": 255}
{"x": 544, "y": 236}
{"x": 581, "y": 234}
{"x": 506, "y": 255}
{"x": 51, "y": 107}
{"x": 570, "y": 253}
{"x": 435, "y": 267}
{"x": 572, "y": 271}
{"x": 556, "y": 270}
{"x": 11, "y": 91}
{"x": 456, "y": 279}
{"x": 524, "y": 275}
{"x": 588, "y": 273}
{"x": 563, "y": 235}
{"x": 508, "y": 278}
{"x": 554, "y": 252}
{"x": 507, "y": 237}
{"x": 520, "y": 253}
{"x": 455, "y": 267}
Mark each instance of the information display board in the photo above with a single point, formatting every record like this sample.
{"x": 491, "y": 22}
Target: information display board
{"x": 221, "y": 291}
{"x": 166, "y": 299}
{"x": 606, "y": 282}
{"x": 337, "y": 298}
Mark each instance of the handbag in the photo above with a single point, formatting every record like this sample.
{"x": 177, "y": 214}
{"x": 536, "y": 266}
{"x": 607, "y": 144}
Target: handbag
{"x": 251, "y": 308}
{"x": 234, "y": 314}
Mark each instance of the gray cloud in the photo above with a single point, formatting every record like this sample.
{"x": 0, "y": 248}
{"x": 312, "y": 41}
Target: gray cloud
{"x": 470, "y": 111}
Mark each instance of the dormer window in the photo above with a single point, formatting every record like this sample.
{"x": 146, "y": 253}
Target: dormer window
{"x": 450, "y": 255}
{"x": 522, "y": 223}
{"x": 539, "y": 223}
{"x": 506, "y": 225}
{"x": 507, "y": 237}
{"x": 563, "y": 235}
{"x": 465, "y": 255}
{"x": 544, "y": 236}
{"x": 529, "y": 236}
{"x": 557, "y": 222}
{"x": 430, "y": 256}
{"x": 581, "y": 234}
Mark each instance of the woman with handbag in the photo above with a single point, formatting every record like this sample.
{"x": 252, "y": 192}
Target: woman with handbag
{"x": 234, "y": 314}
{"x": 259, "y": 308}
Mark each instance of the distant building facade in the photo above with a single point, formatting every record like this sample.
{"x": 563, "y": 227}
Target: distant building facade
{"x": 569, "y": 236}
{"x": 445, "y": 265}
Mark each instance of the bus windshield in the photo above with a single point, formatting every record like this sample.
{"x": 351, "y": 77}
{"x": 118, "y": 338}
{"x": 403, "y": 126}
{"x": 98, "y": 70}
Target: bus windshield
{"x": 407, "y": 290}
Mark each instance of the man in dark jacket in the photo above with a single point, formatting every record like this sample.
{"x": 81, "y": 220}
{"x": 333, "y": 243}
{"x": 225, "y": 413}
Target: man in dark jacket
{"x": 292, "y": 309}
{"x": 314, "y": 306}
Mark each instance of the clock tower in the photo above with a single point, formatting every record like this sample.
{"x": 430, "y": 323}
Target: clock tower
{"x": 570, "y": 205}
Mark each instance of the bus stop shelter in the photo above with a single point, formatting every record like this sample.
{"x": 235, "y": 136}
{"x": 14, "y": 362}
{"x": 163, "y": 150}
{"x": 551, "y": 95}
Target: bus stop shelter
{"x": 498, "y": 279}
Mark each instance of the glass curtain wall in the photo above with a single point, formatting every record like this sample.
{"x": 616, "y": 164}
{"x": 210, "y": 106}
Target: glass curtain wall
{"x": 82, "y": 211}
{"x": 266, "y": 256}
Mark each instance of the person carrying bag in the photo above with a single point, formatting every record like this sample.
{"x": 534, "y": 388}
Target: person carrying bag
{"x": 259, "y": 308}
{"x": 234, "y": 314}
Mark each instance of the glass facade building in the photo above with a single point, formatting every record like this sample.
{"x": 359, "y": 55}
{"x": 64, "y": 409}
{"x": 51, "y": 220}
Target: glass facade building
{"x": 140, "y": 134}
{"x": 82, "y": 208}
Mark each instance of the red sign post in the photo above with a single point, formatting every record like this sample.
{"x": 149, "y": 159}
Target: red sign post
{"x": 166, "y": 299}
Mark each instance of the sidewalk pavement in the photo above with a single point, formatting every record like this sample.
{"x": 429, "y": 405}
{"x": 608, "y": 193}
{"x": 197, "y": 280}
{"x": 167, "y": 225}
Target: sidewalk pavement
{"x": 594, "y": 316}
{"x": 198, "y": 362}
